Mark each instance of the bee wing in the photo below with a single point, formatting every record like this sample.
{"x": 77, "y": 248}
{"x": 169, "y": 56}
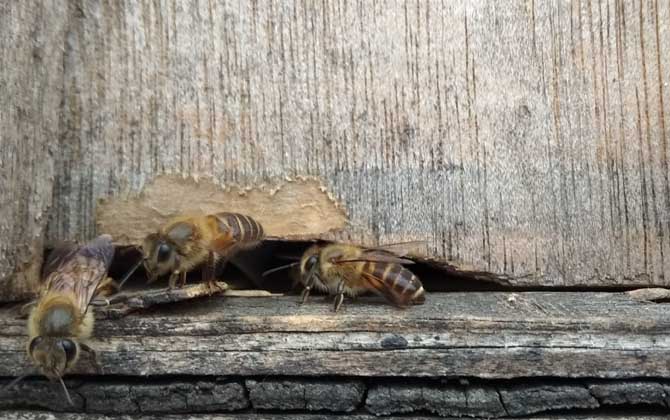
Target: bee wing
{"x": 400, "y": 248}
{"x": 375, "y": 255}
{"x": 79, "y": 270}
{"x": 223, "y": 243}
{"x": 61, "y": 253}
{"x": 180, "y": 233}
{"x": 378, "y": 285}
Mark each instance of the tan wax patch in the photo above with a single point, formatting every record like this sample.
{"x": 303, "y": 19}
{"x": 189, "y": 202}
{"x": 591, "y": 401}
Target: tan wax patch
{"x": 296, "y": 208}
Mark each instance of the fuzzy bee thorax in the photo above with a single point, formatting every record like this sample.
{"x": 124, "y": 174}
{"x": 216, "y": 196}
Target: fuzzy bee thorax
{"x": 58, "y": 315}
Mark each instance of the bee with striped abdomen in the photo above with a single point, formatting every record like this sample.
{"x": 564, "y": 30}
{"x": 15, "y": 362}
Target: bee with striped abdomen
{"x": 187, "y": 242}
{"x": 341, "y": 269}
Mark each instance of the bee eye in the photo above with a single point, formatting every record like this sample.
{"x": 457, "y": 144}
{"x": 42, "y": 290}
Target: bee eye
{"x": 34, "y": 343}
{"x": 70, "y": 349}
{"x": 311, "y": 262}
{"x": 163, "y": 253}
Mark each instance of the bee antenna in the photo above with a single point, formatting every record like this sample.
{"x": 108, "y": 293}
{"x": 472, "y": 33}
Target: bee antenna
{"x": 288, "y": 257}
{"x": 67, "y": 394}
{"x": 281, "y": 267}
{"x": 130, "y": 272}
{"x": 15, "y": 381}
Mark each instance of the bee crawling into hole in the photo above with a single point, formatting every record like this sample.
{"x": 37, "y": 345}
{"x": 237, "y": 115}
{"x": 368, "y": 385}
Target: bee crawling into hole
{"x": 189, "y": 241}
{"x": 341, "y": 269}
{"x": 60, "y": 321}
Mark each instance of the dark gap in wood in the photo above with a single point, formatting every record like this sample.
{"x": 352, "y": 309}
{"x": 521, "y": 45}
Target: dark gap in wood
{"x": 245, "y": 272}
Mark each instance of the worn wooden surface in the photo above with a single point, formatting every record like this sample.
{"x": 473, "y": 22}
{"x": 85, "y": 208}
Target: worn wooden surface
{"x": 528, "y": 140}
{"x": 23, "y": 415}
{"x": 485, "y": 335}
{"x": 32, "y": 36}
{"x": 381, "y": 397}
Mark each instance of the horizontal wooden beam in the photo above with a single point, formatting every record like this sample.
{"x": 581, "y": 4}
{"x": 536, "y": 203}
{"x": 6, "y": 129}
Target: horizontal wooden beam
{"x": 484, "y": 335}
{"x": 351, "y": 396}
{"x": 31, "y": 415}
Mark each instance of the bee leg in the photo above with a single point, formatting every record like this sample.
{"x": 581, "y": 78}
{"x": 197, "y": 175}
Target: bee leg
{"x": 24, "y": 312}
{"x": 209, "y": 274}
{"x": 94, "y": 357}
{"x": 182, "y": 278}
{"x": 107, "y": 287}
{"x": 173, "y": 280}
{"x": 339, "y": 297}
{"x": 307, "y": 289}
{"x": 305, "y": 294}
{"x": 101, "y": 302}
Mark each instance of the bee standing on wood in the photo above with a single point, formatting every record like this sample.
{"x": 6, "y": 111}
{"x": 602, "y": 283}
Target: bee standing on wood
{"x": 186, "y": 242}
{"x": 61, "y": 320}
{"x": 340, "y": 269}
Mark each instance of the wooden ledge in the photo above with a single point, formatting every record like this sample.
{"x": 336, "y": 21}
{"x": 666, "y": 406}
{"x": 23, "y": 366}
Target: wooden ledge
{"x": 30, "y": 415}
{"x": 484, "y": 335}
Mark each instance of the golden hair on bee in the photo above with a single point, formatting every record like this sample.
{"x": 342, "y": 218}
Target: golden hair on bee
{"x": 343, "y": 269}
{"x": 186, "y": 242}
{"x": 61, "y": 320}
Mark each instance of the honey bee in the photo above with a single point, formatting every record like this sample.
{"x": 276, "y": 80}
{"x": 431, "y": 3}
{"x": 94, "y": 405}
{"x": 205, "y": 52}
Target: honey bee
{"x": 341, "y": 269}
{"x": 186, "y": 242}
{"x": 61, "y": 320}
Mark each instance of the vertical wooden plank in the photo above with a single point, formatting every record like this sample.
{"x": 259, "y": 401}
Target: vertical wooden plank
{"x": 31, "y": 55}
{"x": 528, "y": 140}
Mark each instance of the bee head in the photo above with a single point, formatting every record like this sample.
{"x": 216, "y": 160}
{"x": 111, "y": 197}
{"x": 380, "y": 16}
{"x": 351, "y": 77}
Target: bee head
{"x": 53, "y": 355}
{"x": 160, "y": 256}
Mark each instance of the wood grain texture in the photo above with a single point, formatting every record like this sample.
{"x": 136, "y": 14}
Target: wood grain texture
{"x": 32, "y": 35}
{"x": 484, "y": 335}
{"x": 528, "y": 140}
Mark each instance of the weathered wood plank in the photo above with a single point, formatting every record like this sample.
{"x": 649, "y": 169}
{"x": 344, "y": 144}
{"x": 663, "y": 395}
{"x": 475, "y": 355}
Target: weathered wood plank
{"x": 333, "y": 396}
{"x": 28, "y": 415}
{"x": 528, "y": 140}
{"x": 487, "y": 335}
{"x": 32, "y": 36}
{"x": 381, "y": 397}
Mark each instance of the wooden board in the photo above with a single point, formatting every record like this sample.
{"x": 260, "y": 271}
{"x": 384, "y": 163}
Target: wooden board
{"x": 24, "y": 415}
{"x": 484, "y": 335}
{"x": 333, "y": 397}
{"x": 529, "y": 141}
{"x": 32, "y": 41}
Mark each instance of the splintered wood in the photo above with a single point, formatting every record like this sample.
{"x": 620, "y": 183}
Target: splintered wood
{"x": 126, "y": 302}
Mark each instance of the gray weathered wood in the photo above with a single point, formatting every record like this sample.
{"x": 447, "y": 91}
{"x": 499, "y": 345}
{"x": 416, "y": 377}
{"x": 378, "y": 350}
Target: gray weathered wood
{"x": 320, "y": 395}
{"x": 493, "y": 400}
{"x": 528, "y": 140}
{"x": 486, "y": 335}
{"x": 32, "y": 37}
{"x": 379, "y": 396}
{"x": 444, "y": 401}
{"x": 25, "y": 415}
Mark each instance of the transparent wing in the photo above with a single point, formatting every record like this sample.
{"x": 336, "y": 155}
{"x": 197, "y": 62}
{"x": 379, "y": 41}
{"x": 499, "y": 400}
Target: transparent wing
{"x": 78, "y": 270}
{"x": 382, "y": 288}
{"x": 375, "y": 255}
{"x": 401, "y": 248}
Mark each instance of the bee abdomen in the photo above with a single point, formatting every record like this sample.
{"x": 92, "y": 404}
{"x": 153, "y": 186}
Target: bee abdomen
{"x": 401, "y": 281}
{"x": 242, "y": 227}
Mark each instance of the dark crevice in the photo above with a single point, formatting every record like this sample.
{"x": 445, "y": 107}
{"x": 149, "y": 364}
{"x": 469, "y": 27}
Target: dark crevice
{"x": 502, "y": 402}
{"x": 245, "y": 272}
